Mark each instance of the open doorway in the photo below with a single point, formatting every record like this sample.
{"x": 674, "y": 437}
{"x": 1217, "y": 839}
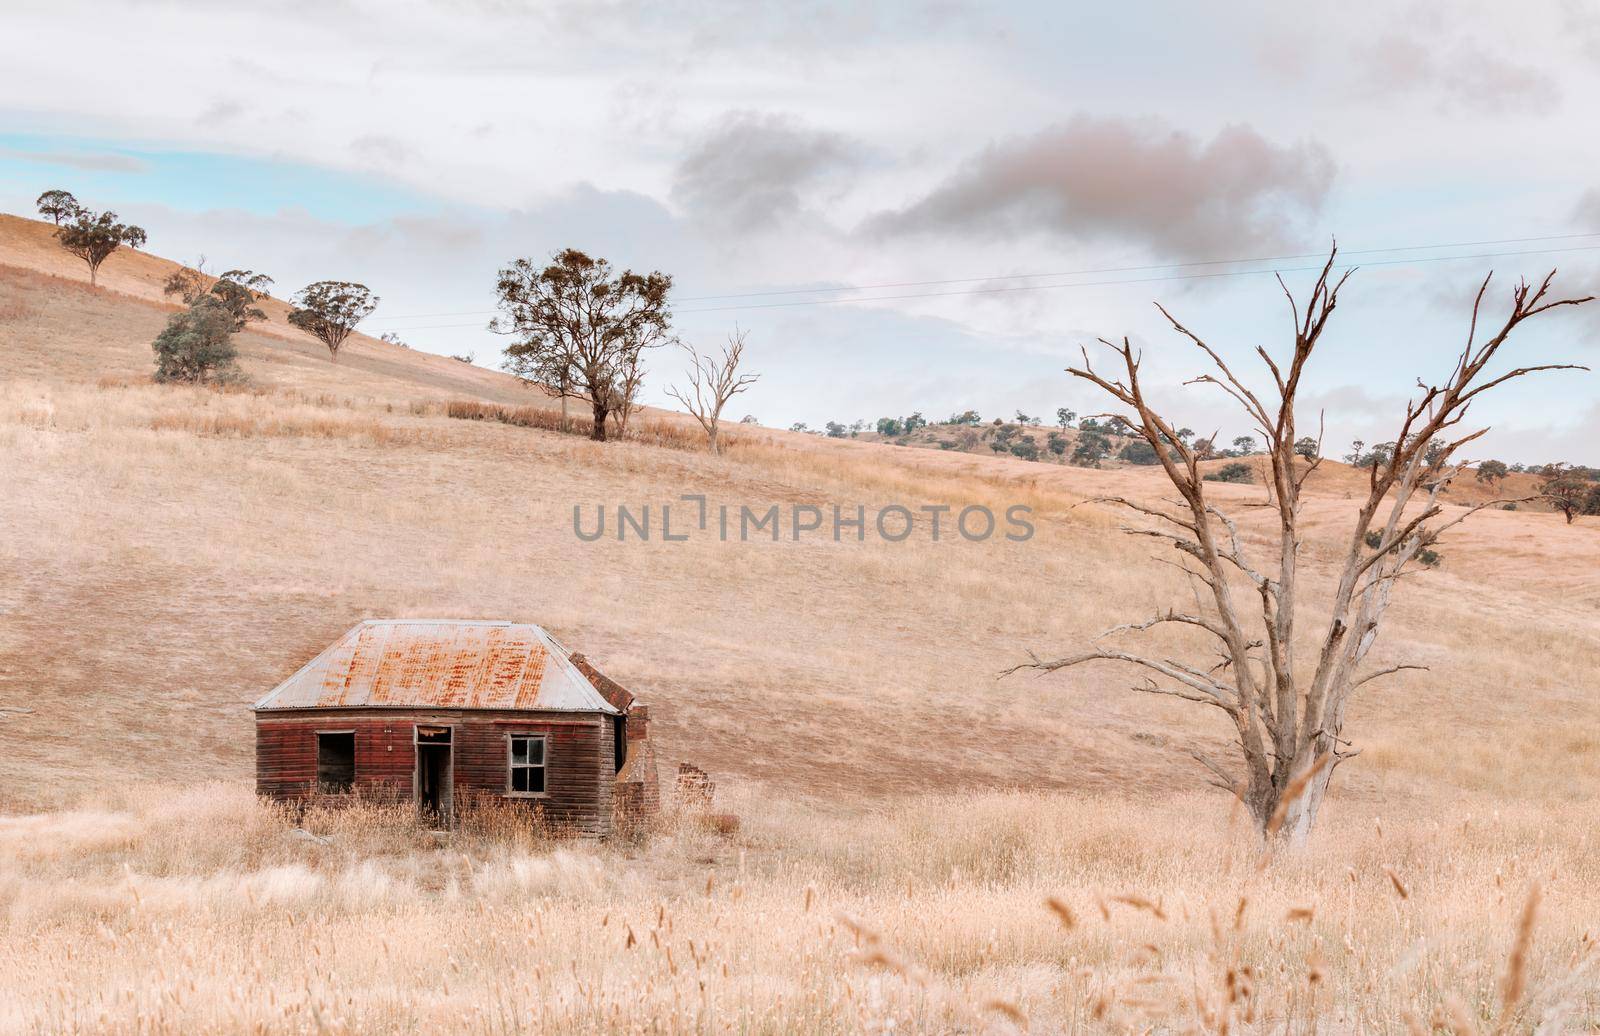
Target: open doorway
{"x": 434, "y": 772}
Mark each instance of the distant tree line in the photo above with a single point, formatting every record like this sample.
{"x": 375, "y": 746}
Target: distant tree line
{"x": 1097, "y": 439}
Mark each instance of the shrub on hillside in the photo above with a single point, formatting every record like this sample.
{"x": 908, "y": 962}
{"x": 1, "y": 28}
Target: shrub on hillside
{"x": 1139, "y": 452}
{"x": 196, "y": 346}
{"x": 1092, "y": 448}
{"x": 1235, "y": 472}
{"x": 1026, "y": 448}
{"x": 1427, "y": 556}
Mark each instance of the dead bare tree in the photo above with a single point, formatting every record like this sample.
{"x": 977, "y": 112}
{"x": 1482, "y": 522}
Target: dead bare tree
{"x": 630, "y": 379}
{"x": 714, "y": 380}
{"x": 1287, "y": 717}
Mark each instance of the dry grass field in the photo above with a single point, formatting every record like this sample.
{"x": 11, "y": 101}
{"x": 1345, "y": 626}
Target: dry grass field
{"x": 167, "y": 554}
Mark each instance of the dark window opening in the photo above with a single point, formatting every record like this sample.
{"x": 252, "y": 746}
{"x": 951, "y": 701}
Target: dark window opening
{"x": 527, "y": 764}
{"x": 619, "y": 736}
{"x": 336, "y": 762}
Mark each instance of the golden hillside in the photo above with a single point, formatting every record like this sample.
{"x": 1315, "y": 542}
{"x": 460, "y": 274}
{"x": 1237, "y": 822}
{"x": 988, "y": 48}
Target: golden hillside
{"x": 172, "y": 552}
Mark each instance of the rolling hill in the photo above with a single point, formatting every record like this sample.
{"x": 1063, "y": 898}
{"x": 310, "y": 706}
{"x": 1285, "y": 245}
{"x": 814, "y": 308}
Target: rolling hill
{"x": 169, "y": 553}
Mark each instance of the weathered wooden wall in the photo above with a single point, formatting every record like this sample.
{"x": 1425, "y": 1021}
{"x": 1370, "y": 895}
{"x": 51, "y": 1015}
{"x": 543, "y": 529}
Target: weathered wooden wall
{"x": 580, "y": 761}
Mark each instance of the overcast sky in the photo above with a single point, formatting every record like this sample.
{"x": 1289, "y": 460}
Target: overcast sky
{"x": 419, "y": 146}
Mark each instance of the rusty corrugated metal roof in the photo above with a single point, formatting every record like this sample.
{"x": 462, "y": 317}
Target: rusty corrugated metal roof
{"x": 434, "y": 663}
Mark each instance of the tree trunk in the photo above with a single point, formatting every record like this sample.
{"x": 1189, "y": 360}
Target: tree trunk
{"x": 93, "y": 279}
{"x": 600, "y": 414}
{"x": 1301, "y": 816}
{"x": 711, "y": 435}
{"x": 564, "y": 423}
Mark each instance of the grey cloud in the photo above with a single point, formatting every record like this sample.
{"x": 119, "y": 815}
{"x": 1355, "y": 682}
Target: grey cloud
{"x": 752, "y": 170}
{"x": 1136, "y": 179}
{"x": 219, "y": 113}
{"x": 98, "y": 162}
{"x": 381, "y": 149}
{"x": 1462, "y": 74}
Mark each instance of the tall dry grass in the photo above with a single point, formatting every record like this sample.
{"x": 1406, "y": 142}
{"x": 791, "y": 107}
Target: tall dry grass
{"x": 649, "y": 431}
{"x": 204, "y": 910}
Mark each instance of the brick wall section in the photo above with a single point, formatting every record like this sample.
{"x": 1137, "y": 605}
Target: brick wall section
{"x": 638, "y": 790}
{"x": 580, "y": 757}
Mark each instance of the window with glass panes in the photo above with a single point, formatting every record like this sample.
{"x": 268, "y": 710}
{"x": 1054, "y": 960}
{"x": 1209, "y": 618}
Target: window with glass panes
{"x": 527, "y": 764}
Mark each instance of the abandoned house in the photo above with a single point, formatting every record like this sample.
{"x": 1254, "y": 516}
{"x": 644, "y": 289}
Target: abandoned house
{"x": 445, "y": 713}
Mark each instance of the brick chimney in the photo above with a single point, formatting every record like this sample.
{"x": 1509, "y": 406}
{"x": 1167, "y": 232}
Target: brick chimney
{"x": 638, "y": 723}
{"x": 638, "y": 797}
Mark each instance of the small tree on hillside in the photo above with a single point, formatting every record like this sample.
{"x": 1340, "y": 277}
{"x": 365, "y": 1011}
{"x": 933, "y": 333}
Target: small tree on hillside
{"x": 713, "y": 380}
{"x": 1065, "y": 417}
{"x": 1381, "y": 454}
{"x": 1491, "y": 471}
{"x": 94, "y": 236}
{"x": 1286, "y": 718}
{"x": 330, "y": 310}
{"x": 630, "y": 379}
{"x": 197, "y": 344}
{"x": 237, "y": 290}
{"x": 1092, "y": 448}
{"x": 1566, "y": 490}
{"x": 57, "y": 205}
{"x": 579, "y": 329}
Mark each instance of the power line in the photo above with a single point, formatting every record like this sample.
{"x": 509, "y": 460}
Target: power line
{"x": 1136, "y": 269}
{"x": 1413, "y": 260}
{"x": 1133, "y": 269}
{"x": 1033, "y": 276}
{"x": 1141, "y": 280}
{"x": 425, "y": 316}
